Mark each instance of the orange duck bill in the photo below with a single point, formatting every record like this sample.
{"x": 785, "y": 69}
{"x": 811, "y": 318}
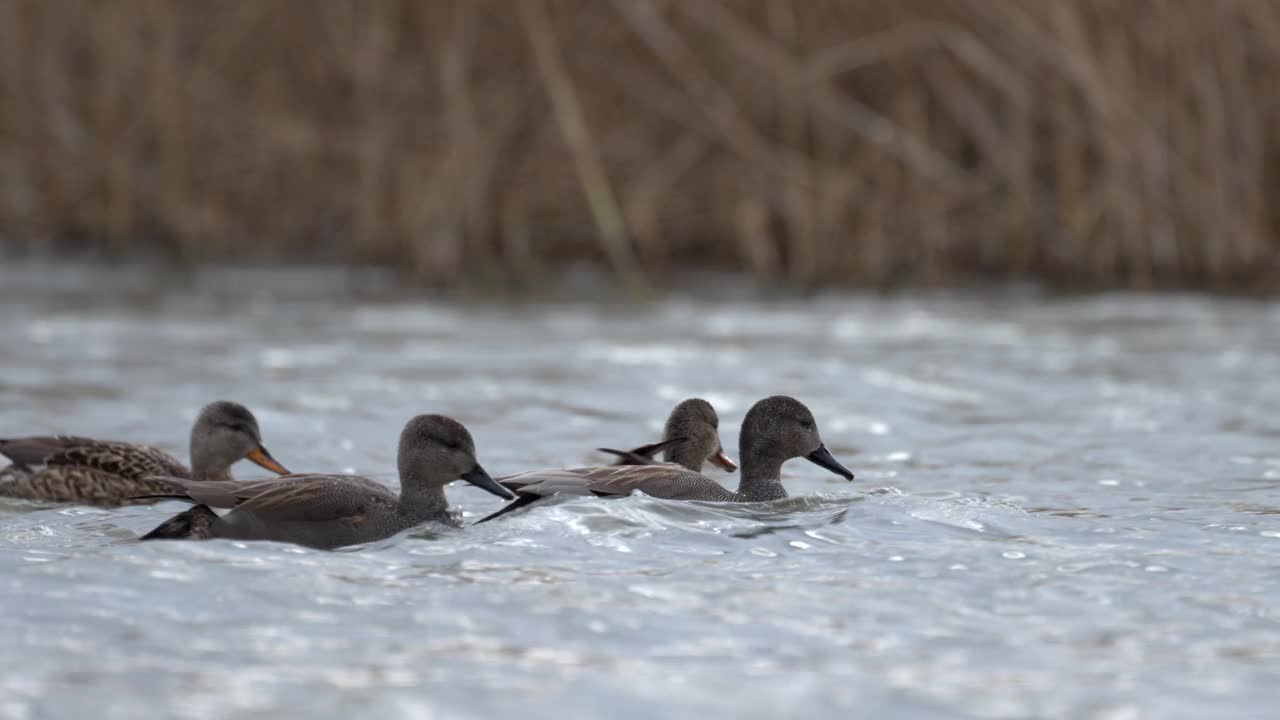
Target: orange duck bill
{"x": 723, "y": 462}
{"x": 260, "y": 456}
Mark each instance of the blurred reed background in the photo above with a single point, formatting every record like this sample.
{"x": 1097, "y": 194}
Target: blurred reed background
{"x": 1113, "y": 143}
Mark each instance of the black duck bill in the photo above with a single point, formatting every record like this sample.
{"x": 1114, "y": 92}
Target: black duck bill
{"x": 478, "y": 477}
{"x": 822, "y": 458}
{"x": 259, "y": 456}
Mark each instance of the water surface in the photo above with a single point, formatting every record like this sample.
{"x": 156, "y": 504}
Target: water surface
{"x": 1065, "y": 508}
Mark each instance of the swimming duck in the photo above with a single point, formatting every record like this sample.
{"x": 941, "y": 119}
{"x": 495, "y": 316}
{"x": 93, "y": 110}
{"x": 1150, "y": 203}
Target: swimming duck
{"x": 67, "y": 468}
{"x": 331, "y": 511}
{"x": 776, "y": 429}
{"x": 691, "y": 437}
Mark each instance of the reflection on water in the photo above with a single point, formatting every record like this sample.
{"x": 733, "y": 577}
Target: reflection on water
{"x": 1064, "y": 508}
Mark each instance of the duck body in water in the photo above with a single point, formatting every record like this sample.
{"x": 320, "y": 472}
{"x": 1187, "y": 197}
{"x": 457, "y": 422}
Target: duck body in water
{"x": 87, "y": 471}
{"x": 332, "y": 511}
{"x": 775, "y": 430}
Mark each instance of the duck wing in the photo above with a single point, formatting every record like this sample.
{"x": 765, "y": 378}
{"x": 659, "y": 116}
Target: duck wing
{"x": 312, "y": 498}
{"x": 228, "y": 494}
{"x": 29, "y": 452}
{"x": 122, "y": 459}
{"x": 214, "y": 493}
{"x": 664, "y": 480}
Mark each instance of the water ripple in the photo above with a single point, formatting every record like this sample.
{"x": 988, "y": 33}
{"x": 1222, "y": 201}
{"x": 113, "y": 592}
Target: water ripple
{"x": 1065, "y": 508}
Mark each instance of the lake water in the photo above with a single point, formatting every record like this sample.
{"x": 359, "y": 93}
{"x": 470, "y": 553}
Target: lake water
{"x": 1064, "y": 507}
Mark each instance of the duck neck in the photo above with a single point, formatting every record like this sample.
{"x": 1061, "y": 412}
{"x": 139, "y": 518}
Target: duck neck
{"x": 211, "y": 474}
{"x": 761, "y": 477}
{"x": 686, "y": 457}
{"x": 204, "y": 467}
{"x": 422, "y": 498}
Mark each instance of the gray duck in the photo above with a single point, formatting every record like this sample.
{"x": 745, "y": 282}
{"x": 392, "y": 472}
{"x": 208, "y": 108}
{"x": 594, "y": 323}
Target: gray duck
{"x": 690, "y": 438}
{"x": 775, "y": 429}
{"x": 332, "y": 511}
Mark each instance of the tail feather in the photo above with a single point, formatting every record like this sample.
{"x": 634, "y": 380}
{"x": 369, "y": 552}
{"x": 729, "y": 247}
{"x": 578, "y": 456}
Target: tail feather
{"x": 628, "y": 457}
{"x": 522, "y": 500}
{"x": 644, "y": 454}
{"x": 162, "y": 496}
{"x": 196, "y": 523}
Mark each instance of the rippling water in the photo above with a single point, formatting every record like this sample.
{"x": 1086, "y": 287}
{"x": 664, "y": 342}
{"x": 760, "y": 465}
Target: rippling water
{"x": 1065, "y": 508}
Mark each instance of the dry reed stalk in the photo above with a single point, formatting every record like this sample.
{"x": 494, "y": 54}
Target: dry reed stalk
{"x": 1090, "y": 142}
{"x": 374, "y": 43}
{"x": 586, "y": 157}
{"x": 168, "y": 111}
{"x": 16, "y": 179}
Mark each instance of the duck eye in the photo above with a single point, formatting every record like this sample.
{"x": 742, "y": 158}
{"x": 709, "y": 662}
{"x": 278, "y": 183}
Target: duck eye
{"x": 806, "y": 424}
{"x": 450, "y": 443}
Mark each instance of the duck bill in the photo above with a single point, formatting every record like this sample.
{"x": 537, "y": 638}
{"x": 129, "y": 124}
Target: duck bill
{"x": 723, "y": 462}
{"x": 259, "y": 456}
{"x": 822, "y": 458}
{"x": 478, "y": 477}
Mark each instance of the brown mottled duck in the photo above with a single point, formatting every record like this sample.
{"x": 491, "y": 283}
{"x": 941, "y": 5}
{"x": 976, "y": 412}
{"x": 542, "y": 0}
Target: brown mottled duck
{"x": 86, "y": 471}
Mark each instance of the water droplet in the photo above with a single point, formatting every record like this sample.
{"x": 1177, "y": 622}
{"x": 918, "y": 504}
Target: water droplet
{"x": 1120, "y": 712}
{"x": 1156, "y": 568}
{"x": 1013, "y": 555}
{"x": 959, "y": 566}
{"x": 1109, "y": 482}
{"x": 799, "y": 544}
{"x": 878, "y": 428}
{"x": 819, "y": 536}
{"x": 275, "y": 358}
{"x": 899, "y": 456}
{"x": 1270, "y": 533}
{"x": 896, "y": 558}
{"x": 763, "y": 552}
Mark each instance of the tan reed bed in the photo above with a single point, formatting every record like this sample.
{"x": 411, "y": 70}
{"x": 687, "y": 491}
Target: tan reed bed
{"x": 1130, "y": 143}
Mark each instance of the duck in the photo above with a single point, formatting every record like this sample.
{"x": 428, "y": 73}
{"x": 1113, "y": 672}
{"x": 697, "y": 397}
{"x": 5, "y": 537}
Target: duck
{"x": 690, "y": 438}
{"x": 775, "y": 430}
{"x": 331, "y": 511}
{"x": 88, "y": 471}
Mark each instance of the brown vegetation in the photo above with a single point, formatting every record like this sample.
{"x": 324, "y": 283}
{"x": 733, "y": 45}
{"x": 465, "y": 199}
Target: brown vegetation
{"x": 1095, "y": 142}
